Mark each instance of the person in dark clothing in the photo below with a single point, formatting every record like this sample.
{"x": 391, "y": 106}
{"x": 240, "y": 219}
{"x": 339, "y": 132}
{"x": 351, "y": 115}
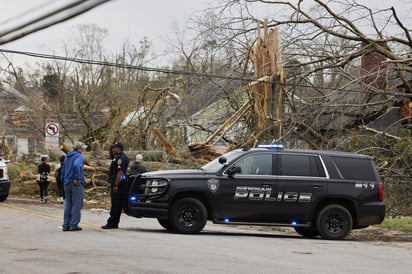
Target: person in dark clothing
{"x": 59, "y": 180}
{"x": 137, "y": 166}
{"x": 43, "y": 180}
{"x": 117, "y": 174}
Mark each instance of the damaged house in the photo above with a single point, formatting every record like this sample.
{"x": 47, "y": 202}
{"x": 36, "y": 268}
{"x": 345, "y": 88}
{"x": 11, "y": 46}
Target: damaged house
{"x": 23, "y": 131}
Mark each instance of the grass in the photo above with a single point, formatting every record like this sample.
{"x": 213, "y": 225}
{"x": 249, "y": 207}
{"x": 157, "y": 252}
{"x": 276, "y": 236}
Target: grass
{"x": 403, "y": 224}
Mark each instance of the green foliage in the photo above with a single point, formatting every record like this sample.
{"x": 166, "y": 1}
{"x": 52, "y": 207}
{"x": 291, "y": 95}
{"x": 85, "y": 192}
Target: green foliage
{"x": 403, "y": 147}
{"x": 15, "y": 169}
{"x": 52, "y": 84}
{"x": 401, "y": 224}
{"x": 394, "y": 160}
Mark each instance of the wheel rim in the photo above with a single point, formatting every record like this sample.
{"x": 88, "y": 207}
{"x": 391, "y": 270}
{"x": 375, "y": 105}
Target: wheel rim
{"x": 335, "y": 223}
{"x": 188, "y": 216}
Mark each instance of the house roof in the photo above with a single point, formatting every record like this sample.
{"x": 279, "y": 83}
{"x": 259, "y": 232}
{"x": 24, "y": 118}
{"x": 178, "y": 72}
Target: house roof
{"x": 343, "y": 109}
{"x": 386, "y": 120}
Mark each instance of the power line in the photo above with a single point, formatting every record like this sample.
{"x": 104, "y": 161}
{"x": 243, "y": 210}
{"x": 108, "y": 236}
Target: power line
{"x": 133, "y": 67}
{"x": 187, "y": 73}
{"x": 25, "y": 13}
{"x": 58, "y": 15}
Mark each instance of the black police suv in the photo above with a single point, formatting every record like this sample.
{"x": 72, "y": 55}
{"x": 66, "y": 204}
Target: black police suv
{"x": 324, "y": 193}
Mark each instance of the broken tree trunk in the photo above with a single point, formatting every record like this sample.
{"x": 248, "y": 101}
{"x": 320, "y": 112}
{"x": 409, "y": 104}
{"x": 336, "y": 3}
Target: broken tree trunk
{"x": 268, "y": 92}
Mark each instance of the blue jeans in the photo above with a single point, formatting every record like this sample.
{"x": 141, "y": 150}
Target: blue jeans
{"x": 72, "y": 205}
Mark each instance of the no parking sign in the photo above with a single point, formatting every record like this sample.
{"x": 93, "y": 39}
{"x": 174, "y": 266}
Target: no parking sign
{"x": 52, "y": 135}
{"x": 52, "y": 129}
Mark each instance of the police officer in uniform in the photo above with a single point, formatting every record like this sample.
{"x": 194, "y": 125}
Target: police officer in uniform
{"x": 118, "y": 169}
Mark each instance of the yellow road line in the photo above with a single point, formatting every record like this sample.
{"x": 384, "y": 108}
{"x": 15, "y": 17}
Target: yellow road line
{"x": 46, "y": 216}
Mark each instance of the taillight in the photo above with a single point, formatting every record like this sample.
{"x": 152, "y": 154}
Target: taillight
{"x": 380, "y": 187}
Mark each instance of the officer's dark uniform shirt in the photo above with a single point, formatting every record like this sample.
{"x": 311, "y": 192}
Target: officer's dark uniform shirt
{"x": 120, "y": 161}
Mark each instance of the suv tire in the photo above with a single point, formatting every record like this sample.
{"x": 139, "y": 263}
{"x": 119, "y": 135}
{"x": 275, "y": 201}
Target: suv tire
{"x": 188, "y": 216}
{"x": 164, "y": 222}
{"x": 306, "y": 231}
{"x": 334, "y": 222}
{"x": 3, "y": 197}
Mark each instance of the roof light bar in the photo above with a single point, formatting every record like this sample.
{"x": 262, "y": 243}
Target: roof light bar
{"x": 272, "y": 146}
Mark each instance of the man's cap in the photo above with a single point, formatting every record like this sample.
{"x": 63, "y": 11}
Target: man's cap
{"x": 78, "y": 145}
{"x": 119, "y": 145}
{"x": 139, "y": 157}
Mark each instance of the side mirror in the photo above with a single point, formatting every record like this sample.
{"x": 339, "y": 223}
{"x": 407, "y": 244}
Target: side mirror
{"x": 222, "y": 160}
{"x": 233, "y": 170}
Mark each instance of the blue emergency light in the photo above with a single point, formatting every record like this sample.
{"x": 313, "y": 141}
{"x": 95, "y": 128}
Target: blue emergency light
{"x": 272, "y": 146}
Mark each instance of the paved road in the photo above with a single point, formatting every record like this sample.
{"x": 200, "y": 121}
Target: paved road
{"x": 31, "y": 241}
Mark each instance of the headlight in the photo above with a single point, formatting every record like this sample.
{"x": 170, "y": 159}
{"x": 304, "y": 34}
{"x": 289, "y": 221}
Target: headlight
{"x": 155, "y": 186}
{"x": 5, "y": 174}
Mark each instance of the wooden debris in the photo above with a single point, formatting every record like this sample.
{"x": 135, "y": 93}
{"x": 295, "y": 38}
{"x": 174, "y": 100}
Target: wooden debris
{"x": 380, "y": 132}
{"x": 66, "y": 149}
{"x": 228, "y": 124}
{"x": 205, "y": 151}
{"x": 165, "y": 143}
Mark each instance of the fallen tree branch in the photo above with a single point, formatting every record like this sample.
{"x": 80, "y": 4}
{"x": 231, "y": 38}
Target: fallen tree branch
{"x": 380, "y": 132}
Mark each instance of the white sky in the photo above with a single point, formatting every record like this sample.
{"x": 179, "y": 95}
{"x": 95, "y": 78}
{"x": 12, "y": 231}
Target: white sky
{"x": 124, "y": 19}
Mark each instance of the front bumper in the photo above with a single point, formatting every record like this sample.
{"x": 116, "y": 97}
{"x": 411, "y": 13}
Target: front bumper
{"x": 144, "y": 203}
{"x": 4, "y": 187}
{"x": 148, "y": 209}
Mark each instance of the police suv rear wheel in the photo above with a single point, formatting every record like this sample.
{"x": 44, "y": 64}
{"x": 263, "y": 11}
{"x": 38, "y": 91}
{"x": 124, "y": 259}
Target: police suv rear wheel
{"x": 334, "y": 222}
{"x": 188, "y": 216}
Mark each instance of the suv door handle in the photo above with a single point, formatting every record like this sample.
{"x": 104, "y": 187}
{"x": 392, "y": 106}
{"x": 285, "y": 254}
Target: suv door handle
{"x": 316, "y": 186}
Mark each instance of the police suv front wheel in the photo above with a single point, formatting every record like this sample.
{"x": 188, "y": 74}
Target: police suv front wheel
{"x": 334, "y": 222}
{"x": 188, "y": 216}
{"x": 3, "y": 197}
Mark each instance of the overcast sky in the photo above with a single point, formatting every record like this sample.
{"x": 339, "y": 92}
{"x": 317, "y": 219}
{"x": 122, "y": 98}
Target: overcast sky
{"x": 124, "y": 19}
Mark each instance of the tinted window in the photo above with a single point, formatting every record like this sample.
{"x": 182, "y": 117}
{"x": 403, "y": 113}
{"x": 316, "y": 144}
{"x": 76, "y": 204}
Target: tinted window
{"x": 256, "y": 164}
{"x": 355, "y": 169}
{"x": 300, "y": 165}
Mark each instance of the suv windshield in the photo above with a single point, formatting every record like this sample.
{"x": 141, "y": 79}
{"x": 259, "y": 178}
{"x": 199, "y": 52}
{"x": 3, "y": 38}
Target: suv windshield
{"x": 214, "y": 165}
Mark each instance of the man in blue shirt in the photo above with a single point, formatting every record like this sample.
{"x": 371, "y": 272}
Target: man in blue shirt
{"x": 118, "y": 169}
{"x": 73, "y": 178}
